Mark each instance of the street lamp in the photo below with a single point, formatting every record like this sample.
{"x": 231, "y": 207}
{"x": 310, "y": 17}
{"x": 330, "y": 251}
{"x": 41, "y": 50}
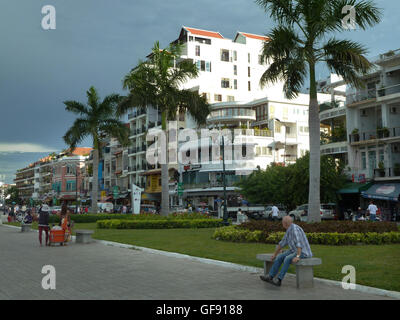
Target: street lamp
{"x": 225, "y": 214}
{"x": 284, "y": 152}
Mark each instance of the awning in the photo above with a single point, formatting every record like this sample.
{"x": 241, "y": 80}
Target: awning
{"x": 383, "y": 191}
{"x": 355, "y": 187}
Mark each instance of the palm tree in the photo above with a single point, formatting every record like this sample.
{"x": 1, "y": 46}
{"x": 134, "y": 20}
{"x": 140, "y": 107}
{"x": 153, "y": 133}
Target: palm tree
{"x": 158, "y": 82}
{"x": 300, "y": 41}
{"x": 96, "y": 120}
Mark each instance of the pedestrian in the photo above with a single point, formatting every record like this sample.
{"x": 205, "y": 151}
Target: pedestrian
{"x": 275, "y": 213}
{"x": 44, "y": 223}
{"x": 372, "y": 209}
{"x": 299, "y": 248}
{"x": 360, "y": 214}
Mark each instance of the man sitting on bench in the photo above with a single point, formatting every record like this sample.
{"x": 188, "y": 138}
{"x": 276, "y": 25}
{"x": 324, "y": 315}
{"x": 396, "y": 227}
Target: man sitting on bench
{"x": 297, "y": 241}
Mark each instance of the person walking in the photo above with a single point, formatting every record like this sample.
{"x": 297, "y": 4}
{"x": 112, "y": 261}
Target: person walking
{"x": 275, "y": 213}
{"x": 372, "y": 209}
{"x": 299, "y": 248}
{"x": 44, "y": 223}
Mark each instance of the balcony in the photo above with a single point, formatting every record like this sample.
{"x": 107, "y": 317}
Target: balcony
{"x": 361, "y": 96}
{"x": 387, "y": 173}
{"x": 136, "y": 113}
{"x": 382, "y": 133}
{"x": 230, "y": 114}
{"x": 388, "y": 91}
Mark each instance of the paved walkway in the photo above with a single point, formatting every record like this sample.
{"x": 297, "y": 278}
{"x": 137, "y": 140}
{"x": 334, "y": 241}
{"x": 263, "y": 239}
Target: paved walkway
{"x": 97, "y": 271}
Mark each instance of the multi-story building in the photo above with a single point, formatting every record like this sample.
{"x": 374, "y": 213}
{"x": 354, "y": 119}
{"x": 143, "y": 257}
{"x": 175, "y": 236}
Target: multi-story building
{"x": 229, "y": 70}
{"x": 25, "y": 182}
{"x": 263, "y": 131}
{"x": 66, "y": 177}
{"x": 371, "y": 116}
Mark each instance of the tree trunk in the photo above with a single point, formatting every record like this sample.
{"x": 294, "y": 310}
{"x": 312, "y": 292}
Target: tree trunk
{"x": 164, "y": 170}
{"x": 95, "y": 180}
{"x": 315, "y": 155}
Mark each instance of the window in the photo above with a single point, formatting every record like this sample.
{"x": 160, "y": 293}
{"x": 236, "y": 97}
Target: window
{"x": 278, "y": 127}
{"x": 248, "y": 57}
{"x": 71, "y": 185}
{"x": 231, "y": 98}
{"x": 235, "y": 84}
{"x": 224, "y": 55}
{"x": 303, "y": 129}
{"x": 208, "y": 66}
{"x": 217, "y": 97}
{"x": 234, "y": 55}
{"x": 235, "y": 70}
{"x": 363, "y": 161}
{"x": 202, "y": 40}
{"x": 206, "y": 96}
{"x": 248, "y": 71}
{"x": 203, "y": 65}
{"x": 260, "y": 59}
{"x": 224, "y": 83}
{"x": 198, "y": 51}
{"x": 249, "y": 86}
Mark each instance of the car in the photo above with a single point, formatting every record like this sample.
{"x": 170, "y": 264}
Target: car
{"x": 327, "y": 212}
{"x": 105, "y": 206}
{"x": 282, "y": 212}
{"x": 55, "y": 209}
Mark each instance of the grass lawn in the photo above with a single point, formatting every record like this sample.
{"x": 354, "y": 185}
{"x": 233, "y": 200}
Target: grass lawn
{"x": 376, "y": 266}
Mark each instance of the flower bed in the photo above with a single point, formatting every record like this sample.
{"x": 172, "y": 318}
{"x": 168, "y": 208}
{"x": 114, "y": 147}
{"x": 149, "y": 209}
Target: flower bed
{"x": 158, "y": 223}
{"x": 237, "y": 234}
{"x": 324, "y": 226}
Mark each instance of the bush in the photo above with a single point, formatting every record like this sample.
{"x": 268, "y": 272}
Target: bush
{"x": 88, "y": 218}
{"x": 158, "y": 223}
{"x": 324, "y": 226}
{"x": 236, "y": 234}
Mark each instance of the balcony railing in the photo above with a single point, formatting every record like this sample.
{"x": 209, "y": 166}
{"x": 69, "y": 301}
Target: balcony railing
{"x": 387, "y": 172}
{"x": 361, "y": 96}
{"x": 389, "y": 90}
{"x": 377, "y": 134}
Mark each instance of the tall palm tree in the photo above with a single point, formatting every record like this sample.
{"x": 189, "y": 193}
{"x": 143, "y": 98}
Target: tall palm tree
{"x": 97, "y": 119}
{"x": 158, "y": 82}
{"x": 302, "y": 39}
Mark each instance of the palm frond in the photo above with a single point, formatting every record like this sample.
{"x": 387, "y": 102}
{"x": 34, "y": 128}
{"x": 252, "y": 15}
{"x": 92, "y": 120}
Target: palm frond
{"x": 77, "y": 133}
{"x": 76, "y": 107}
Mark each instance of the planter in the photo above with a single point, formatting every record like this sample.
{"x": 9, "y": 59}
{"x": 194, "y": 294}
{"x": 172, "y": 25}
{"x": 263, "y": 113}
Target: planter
{"x": 380, "y": 172}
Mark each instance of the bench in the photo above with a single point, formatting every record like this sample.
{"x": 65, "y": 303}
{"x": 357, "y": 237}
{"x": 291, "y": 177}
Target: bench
{"x": 25, "y": 227}
{"x": 83, "y": 236}
{"x": 304, "y": 269}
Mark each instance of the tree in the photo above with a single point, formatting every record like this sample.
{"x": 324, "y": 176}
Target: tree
{"x": 288, "y": 185}
{"x": 157, "y": 82}
{"x": 96, "y": 120}
{"x": 300, "y": 41}
{"x": 13, "y": 192}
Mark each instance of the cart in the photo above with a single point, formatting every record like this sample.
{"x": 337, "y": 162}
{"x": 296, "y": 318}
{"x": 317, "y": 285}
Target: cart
{"x": 59, "y": 236}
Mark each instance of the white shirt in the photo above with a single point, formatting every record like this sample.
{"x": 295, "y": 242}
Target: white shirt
{"x": 275, "y": 211}
{"x": 372, "y": 209}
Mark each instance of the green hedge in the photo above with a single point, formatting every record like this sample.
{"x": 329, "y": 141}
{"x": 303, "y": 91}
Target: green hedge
{"x": 158, "y": 224}
{"x": 88, "y": 218}
{"x": 235, "y": 234}
{"x": 324, "y": 226}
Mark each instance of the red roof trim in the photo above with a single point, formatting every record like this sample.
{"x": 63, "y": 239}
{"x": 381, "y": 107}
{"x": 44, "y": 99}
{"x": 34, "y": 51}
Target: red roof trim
{"x": 254, "y": 36}
{"x": 205, "y": 33}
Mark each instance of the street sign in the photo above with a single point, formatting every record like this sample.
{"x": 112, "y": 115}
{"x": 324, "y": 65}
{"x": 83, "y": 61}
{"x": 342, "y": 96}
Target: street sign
{"x": 180, "y": 189}
{"x": 115, "y": 191}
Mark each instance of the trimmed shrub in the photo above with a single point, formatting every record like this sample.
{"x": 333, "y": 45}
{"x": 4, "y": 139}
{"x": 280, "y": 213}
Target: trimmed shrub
{"x": 158, "y": 224}
{"x": 89, "y": 218}
{"x": 324, "y": 226}
{"x": 236, "y": 234}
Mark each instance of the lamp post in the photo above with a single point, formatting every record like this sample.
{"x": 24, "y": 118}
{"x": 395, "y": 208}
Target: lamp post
{"x": 225, "y": 214}
{"x": 284, "y": 152}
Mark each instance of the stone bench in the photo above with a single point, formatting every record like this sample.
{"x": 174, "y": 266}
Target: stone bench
{"x": 26, "y": 227}
{"x": 83, "y": 236}
{"x": 304, "y": 269}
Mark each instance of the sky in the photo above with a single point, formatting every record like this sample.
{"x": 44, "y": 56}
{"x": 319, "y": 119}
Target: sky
{"x": 97, "y": 42}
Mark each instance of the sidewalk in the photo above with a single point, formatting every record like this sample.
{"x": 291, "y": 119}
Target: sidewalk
{"x": 98, "y": 271}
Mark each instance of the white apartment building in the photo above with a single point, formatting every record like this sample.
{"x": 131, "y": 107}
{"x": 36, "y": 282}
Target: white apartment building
{"x": 229, "y": 71}
{"x": 274, "y": 130}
